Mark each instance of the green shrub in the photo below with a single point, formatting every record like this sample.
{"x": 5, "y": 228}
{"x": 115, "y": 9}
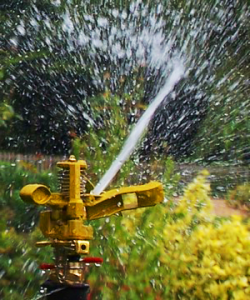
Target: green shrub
{"x": 12, "y": 178}
{"x": 240, "y": 196}
{"x": 20, "y": 276}
{"x": 173, "y": 251}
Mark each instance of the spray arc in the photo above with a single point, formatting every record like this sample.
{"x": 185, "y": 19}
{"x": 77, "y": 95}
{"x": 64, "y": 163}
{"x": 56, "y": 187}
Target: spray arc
{"x": 63, "y": 223}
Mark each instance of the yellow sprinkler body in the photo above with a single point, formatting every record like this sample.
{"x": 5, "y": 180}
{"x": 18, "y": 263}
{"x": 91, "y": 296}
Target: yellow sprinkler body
{"x": 64, "y": 222}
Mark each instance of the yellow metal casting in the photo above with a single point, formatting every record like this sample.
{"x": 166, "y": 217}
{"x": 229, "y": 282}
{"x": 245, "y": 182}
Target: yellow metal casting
{"x": 63, "y": 222}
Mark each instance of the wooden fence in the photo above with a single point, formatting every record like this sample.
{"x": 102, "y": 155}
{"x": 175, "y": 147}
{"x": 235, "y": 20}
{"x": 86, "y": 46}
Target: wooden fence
{"x": 38, "y": 161}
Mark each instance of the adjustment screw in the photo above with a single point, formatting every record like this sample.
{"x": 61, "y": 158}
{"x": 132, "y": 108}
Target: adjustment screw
{"x": 72, "y": 158}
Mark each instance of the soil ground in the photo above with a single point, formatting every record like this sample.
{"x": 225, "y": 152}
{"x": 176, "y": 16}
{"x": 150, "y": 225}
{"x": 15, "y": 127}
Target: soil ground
{"x": 221, "y": 208}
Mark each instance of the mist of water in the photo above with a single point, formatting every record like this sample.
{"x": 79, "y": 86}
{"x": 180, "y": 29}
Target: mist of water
{"x": 139, "y": 128}
{"x": 83, "y": 50}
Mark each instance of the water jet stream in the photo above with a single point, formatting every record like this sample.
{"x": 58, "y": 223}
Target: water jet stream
{"x": 136, "y": 133}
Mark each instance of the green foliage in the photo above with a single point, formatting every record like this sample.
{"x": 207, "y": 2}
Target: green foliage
{"x": 173, "y": 252}
{"x": 225, "y": 132}
{"x": 170, "y": 179}
{"x": 20, "y": 276}
{"x": 6, "y": 113}
{"x": 12, "y": 178}
{"x": 240, "y": 196}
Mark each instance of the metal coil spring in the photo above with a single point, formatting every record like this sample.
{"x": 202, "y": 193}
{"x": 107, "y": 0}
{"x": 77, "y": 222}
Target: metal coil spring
{"x": 82, "y": 183}
{"x": 64, "y": 182}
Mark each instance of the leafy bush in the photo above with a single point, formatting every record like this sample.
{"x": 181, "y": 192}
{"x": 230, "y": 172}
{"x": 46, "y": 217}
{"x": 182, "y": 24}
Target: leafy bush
{"x": 19, "y": 273}
{"x": 173, "y": 251}
{"x": 20, "y": 276}
{"x": 12, "y": 178}
{"x": 240, "y": 196}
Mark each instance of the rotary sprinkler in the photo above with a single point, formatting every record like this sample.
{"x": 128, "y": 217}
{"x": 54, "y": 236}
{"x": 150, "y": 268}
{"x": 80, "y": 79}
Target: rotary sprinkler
{"x": 63, "y": 223}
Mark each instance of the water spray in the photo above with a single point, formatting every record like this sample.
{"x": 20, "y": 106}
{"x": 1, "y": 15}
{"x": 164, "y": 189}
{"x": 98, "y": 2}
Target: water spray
{"x": 140, "y": 127}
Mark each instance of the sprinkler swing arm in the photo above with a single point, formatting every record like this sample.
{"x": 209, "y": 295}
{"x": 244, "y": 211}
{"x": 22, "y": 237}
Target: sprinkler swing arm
{"x": 63, "y": 223}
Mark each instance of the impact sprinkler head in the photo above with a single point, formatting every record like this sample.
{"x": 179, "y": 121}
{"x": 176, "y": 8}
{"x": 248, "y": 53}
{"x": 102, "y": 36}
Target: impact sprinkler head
{"x": 63, "y": 223}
